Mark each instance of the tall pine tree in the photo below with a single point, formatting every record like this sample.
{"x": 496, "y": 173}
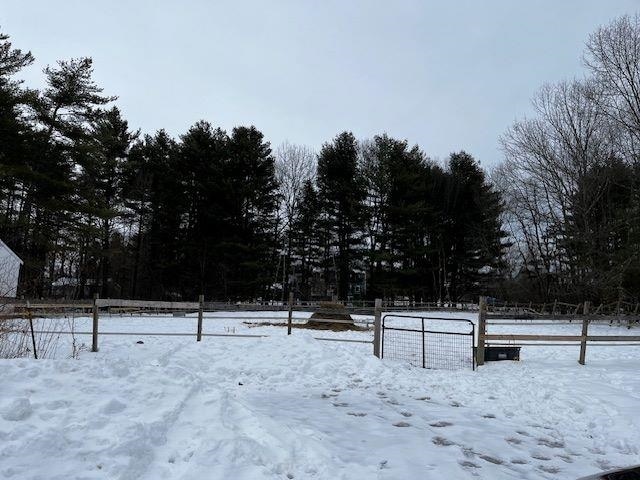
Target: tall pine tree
{"x": 342, "y": 194}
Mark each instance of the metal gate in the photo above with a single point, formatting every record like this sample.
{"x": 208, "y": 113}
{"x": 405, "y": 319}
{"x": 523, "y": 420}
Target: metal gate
{"x": 429, "y": 342}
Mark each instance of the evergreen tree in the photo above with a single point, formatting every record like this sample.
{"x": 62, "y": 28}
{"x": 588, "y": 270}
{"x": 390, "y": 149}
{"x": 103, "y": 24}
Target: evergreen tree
{"x": 64, "y": 111}
{"x": 342, "y": 193}
{"x": 305, "y": 247}
{"x": 153, "y": 194}
{"x": 473, "y": 233}
{"x": 250, "y": 173}
{"x": 100, "y": 181}
{"x": 16, "y": 138}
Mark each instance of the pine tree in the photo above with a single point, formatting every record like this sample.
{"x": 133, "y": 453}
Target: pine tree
{"x": 16, "y": 137}
{"x": 100, "y": 182}
{"x": 473, "y": 236}
{"x": 253, "y": 186}
{"x": 154, "y": 195}
{"x": 305, "y": 246}
{"x": 342, "y": 194}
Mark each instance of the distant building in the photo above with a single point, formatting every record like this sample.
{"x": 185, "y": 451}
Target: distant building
{"x": 9, "y": 271}
{"x": 321, "y": 288}
{"x": 71, "y": 287}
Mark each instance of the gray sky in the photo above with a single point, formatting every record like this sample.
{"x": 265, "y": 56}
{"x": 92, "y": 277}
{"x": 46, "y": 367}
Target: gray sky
{"x": 448, "y": 75}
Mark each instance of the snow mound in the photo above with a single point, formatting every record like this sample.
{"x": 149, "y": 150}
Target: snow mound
{"x": 20, "y": 409}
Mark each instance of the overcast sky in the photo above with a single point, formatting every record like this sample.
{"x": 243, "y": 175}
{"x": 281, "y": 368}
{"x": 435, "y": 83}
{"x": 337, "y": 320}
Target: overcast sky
{"x": 448, "y": 75}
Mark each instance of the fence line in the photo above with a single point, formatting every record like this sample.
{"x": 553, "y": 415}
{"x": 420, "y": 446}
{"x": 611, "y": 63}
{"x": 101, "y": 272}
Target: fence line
{"x": 486, "y": 340}
{"x": 180, "y": 334}
{"x": 486, "y": 315}
{"x": 107, "y": 303}
{"x": 614, "y": 311}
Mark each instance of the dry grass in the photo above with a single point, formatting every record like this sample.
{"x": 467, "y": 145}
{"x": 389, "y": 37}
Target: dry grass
{"x": 16, "y": 341}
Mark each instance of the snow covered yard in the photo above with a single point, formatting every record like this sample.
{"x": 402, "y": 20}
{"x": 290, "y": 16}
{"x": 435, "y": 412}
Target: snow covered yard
{"x": 293, "y": 407}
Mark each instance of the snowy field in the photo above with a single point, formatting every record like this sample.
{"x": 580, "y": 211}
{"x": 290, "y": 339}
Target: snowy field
{"x": 293, "y": 407}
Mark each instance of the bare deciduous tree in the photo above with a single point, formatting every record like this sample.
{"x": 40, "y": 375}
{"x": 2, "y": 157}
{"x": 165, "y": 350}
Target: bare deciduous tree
{"x": 548, "y": 182}
{"x": 295, "y": 164}
{"x": 613, "y": 56}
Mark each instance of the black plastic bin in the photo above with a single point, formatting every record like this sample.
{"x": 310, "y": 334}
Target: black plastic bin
{"x": 494, "y": 354}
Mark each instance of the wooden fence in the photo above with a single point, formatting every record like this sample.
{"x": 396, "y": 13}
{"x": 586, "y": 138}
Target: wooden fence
{"x": 486, "y": 315}
{"x": 487, "y": 339}
{"x": 28, "y": 310}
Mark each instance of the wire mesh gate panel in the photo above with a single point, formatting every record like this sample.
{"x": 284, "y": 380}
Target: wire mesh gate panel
{"x": 429, "y": 342}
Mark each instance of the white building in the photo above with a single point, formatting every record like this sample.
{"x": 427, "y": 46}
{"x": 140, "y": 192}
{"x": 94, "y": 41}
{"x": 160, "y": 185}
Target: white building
{"x": 9, "y": 271}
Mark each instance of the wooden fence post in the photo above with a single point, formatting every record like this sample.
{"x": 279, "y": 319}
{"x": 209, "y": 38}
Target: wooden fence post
{"x": 94, "y": 345}
{"x": 290, "y": 316}
{"x": 377, "y": 327}
{"x": 555, "y": 303}
{"x": 482, "y": 330}
{"x": 33, "y": 335}
{"x": 200, "y": 310}
{"x": 585, "y": 327}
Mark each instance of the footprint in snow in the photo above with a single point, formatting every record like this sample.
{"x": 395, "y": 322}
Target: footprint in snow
{"x": 565, "y": 458}
{"x": 604, "y": 465}
{"x": 539, "y": 456}
{"x": 455, "y": 404}
{"x": 329, "y": 395}
{"x": 401, "y": 424}
{"x": 488, "y": 415}
{"x": 113, "y": 406}
{"x": 468, "y": 464}
{"x": 188, "y": 456}
{"x": 519, "y": 461}
{"x": 549, "y": 469}
{"x": 441, "y": 441}
{"x": 490, "y": 459}
{"x": 440, "y": 424}
{"x": 392, "y": 402}
{"x": 423, "y": 398}
{"x": 340, "y": 404}
{"x": 357, "y": 414}
{"x": 57, "y": 404}
{"x": 523, "y": 433}
{"x": 550, "y": 443}
{"x": 406, "y": 414}
{"x": 513, "y": 441}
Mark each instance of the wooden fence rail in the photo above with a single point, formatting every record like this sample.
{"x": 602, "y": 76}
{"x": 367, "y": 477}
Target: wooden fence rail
{"x": 485, "y": 314}
{"x": 199, "y": 307}
{"x": 488, "y": 339}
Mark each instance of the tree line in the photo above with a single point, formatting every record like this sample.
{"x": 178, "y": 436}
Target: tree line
{"x": 571, "y": 178}
{"x": 94, "y": 206}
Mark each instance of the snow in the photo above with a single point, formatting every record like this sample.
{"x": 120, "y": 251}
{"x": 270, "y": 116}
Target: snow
{"x": 285, "y": 407}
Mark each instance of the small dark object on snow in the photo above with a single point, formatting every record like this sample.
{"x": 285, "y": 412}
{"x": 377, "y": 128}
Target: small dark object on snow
{"x": 493, "y": 354}
{"x": 239, "y": 383}
{"x": 139, "y": 342}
